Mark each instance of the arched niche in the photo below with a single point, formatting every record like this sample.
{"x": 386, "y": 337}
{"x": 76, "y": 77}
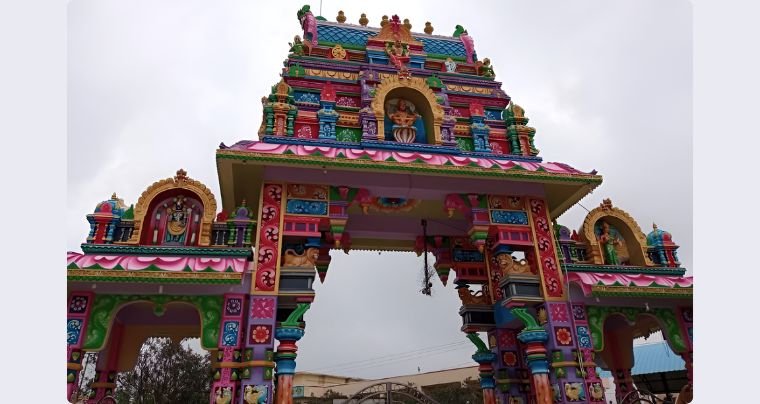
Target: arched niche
{"x": 634, "y": 319}
{"x": 628, "y": 229}
{"x": 416, "y": 91}
{"x": 105, "y": 309}
{"x": 139, "y": 322}
{"x": 178, "y": 184}
{"x": 173, "y": 219}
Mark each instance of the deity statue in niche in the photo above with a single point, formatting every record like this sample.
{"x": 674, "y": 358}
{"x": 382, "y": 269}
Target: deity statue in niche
{"x": 614, "y": 250}
{"x": 451, "y": 65}
{"x": 406, "y": 123}
{"x": 177, "y": 220}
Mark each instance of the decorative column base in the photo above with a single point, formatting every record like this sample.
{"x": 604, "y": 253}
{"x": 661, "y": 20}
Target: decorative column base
{"x": 286, "y": 361}
{"x": 534, "y": 337}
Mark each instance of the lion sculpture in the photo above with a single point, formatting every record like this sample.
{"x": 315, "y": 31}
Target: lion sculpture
{"x": 509, "y": 265}
{"x": 307, "y": 259}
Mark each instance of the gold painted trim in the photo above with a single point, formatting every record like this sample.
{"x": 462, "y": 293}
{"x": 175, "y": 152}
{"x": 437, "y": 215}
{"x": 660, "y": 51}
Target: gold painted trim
{"x": 589, "y": 236}
{"x": 278, "y": 264}
{"x": 332, "y": 74}
{"x": 73, "y": 366}
{"x": 414, "y": 83}
{"x": 238, "y": 365}
{"x": 469, "y": 89}
{"x": 154, "y": 274}
{"x": 546, "y": 297}
{"x": 563, "y": 364}
{"x": 643, "y": 289}
{"x": 104, "y": 385}
{"x": 180, "y": 181}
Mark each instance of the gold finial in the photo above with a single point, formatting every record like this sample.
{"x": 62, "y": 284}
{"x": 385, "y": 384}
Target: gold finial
{"x": 428, "y": 28}
{"x": 113, "y": 196}
{"x": 243, "y": 203}
{"x": 341, "y": 18}
{"x": 181, "y": 175}
{"x": 384, "y": 22}
{"x": 363, "y": 21}
{"x": 407, "y": 24}
{"x": 654, "y": 226}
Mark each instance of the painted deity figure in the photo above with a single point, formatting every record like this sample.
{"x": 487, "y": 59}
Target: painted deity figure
{"x": 404, "y": 114}
{"x": 608, "y": 243}
{"x": 451, "y": 65}
{"x": 486, "y": 70}
{"x": 398, "y": 57}
{"x": 297, "y": 46}
{"x": 176, "y": 223}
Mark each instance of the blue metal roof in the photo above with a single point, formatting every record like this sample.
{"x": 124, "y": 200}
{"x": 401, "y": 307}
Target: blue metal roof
{"x": 348, "y": 35}
{"x": 653, "y": 358}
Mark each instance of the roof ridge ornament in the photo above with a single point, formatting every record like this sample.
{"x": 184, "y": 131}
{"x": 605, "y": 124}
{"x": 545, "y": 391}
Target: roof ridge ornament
{"x": 181, "y": 176}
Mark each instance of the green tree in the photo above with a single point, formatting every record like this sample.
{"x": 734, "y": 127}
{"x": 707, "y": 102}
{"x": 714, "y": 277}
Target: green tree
{"x": 166, "y": 373}
{"x": 456, "y": 393}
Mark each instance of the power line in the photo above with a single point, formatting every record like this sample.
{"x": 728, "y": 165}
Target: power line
{"x": 391, "y": 358}
{"x": 400, "y": 359}
{"x": 400, "y": 354}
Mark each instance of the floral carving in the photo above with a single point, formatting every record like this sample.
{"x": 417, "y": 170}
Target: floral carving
{"x": 261, "y": 334}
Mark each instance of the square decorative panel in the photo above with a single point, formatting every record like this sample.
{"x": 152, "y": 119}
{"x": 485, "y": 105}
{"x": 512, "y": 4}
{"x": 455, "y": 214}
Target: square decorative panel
{"x": 78, "y": 304}
{"x": 73, "y": 330}
{"x": 584, "y": 340}
{"x": 230, "y": 333}
{"x": 579, "y": 313}
{"x": 509, "y": 358}
{"x": 262, "y": 307}
{"x": 507, "y": 339}
{"x": 233, "y": 307}
{"x": 558, "y": 312}
{"x": 563, "y": 336}
{"x": 260, "y": 334}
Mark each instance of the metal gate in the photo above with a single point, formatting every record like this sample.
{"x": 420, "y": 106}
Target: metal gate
{"x": 387, "y": 392}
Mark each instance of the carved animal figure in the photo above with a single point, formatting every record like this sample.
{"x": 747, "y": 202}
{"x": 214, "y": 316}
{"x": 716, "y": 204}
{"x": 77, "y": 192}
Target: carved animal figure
{"x": 597, "y": 392}
{"x": 307, "y": 259}
{"x": 573, "y": 391}
{"x": 251, "y": 395}
{"x": 309, "y": 24}
{"x": 507, "y": 265}
{"x": 223, "y": 395}
{"x": 468, "y": 297}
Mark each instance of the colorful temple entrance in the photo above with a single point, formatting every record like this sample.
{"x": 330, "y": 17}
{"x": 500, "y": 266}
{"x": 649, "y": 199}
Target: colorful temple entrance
{"x": 385, "y": 140}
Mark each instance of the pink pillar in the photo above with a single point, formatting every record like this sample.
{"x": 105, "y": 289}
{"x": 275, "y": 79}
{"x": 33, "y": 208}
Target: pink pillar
{"x": 79, "y": 305}
{"x": 228, "y": 374}
{"x": 105, "y": 375}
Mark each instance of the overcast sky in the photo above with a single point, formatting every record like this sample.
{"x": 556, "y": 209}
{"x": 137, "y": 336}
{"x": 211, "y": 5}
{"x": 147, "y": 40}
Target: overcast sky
{"x": 155, "y": 86}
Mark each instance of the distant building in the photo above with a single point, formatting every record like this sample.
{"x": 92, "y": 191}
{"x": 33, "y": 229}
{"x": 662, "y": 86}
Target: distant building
{"x": 307, "y": 384}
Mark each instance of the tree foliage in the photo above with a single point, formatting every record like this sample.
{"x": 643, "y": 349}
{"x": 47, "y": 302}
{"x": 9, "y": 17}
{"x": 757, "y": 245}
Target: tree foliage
{"x": 166, "y": 373}
{"x": 456, "y": 393}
